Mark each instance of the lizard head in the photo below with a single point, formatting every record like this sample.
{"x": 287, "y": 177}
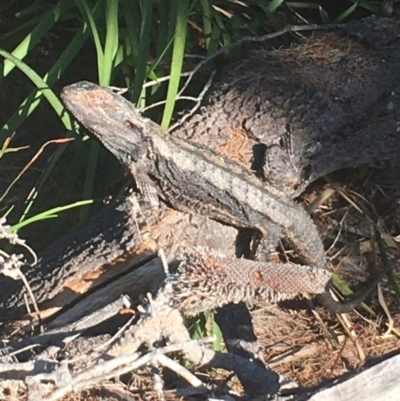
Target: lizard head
{"x": 109, "y": 116}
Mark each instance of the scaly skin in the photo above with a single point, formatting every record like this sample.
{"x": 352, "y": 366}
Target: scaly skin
{"x": 195, "y": 179}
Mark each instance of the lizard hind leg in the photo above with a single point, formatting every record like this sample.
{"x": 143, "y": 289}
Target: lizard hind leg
{"x": 264, "y": 245}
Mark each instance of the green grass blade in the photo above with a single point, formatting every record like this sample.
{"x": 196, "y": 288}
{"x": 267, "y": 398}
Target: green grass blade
{"x": 103, "y": 23}
{"x": 171, "y": 17}
{"x": 105, "y": 64}
{"x": 45, "y": 24}
{"x": 14, "y": 37}
{"x": 111, "y": 43}
{"x": 347, "y": 12}
{"x": 42, "y": 86}
{"x": 49, "y": 214}
{"x": 88, "y": 16}
{"x": 226, "y": 37}
{"x": 128, "y": 51}
{"x": 144, "y": 49}
{"x": 177, "y": 59}
{"x": 33, "y": 100}
{"x": 216, "y": 331}
{"x": 53, "y": 161}
{"x": 274, "y": 5}
{"x": 131, "y": 13}
{"x": 207, "y": 25}
{"x": 162, "y": 27}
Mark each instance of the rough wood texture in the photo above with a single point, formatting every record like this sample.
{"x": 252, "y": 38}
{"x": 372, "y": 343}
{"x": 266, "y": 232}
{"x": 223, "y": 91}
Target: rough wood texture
{"x": 85, "y": 249}
{"x": 111, "y": 247}
{"x": 381, "y": 382}
{"x": 327, "y": 104}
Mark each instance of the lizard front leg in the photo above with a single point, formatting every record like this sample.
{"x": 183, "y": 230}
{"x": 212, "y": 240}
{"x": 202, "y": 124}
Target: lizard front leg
{"x": 145, "y": 185}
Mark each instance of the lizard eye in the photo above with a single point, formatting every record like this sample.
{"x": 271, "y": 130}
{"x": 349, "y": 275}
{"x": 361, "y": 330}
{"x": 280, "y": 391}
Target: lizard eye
{"x": 129, "y": 158}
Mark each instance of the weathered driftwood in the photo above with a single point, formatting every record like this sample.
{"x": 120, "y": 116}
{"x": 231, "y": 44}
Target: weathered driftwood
{"x": 87, "y": 257}
{"x": 380, "y": 382}
{"x": 85, "y": 249}
{"x": 162, "y": 321}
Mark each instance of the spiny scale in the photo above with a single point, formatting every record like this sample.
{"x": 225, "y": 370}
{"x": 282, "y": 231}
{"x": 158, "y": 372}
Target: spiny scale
{"x": 206, "y": 280}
